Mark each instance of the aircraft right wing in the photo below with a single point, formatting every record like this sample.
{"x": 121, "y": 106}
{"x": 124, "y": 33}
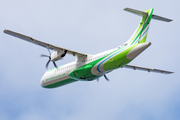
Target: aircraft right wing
{"x": 43, "y": 44}
{"x": 147, "y": 69}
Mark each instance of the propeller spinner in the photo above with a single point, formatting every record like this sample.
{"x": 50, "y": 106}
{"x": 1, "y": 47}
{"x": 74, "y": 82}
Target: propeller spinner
{"x": 54, "y": 56}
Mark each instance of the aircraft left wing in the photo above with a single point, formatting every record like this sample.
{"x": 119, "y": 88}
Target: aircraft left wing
{"x": 43, "y": 44}
{"x": 147, "y": 69}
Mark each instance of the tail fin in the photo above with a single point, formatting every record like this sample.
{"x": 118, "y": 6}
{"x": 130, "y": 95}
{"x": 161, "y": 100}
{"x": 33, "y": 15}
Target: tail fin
{"x": 140, "y": 34}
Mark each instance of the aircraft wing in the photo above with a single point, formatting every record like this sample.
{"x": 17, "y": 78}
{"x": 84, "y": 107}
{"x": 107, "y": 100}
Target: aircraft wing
{"x": 43, "y": 44}
{"x": 147, "y": 69}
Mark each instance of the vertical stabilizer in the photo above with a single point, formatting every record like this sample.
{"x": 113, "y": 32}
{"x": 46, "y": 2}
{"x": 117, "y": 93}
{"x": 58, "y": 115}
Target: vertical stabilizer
{"x": 140, "y": 34}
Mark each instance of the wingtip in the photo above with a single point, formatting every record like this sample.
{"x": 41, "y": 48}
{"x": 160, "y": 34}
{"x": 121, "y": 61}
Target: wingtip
{"x": 169, "y": 72}
{"x": 170, "y": 20}
{"x": 4, "y": 30}
{"x": 127, "y": 9}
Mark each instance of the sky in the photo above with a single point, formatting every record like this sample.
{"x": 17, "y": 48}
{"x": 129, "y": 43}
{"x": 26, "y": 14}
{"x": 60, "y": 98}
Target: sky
{"x": 88, "y": 26}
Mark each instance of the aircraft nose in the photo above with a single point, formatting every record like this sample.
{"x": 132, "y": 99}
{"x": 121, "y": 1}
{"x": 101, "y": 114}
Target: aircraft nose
{"x": 42, "y": 81}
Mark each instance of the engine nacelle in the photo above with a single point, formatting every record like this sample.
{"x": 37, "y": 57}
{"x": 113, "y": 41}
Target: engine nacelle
{"x": 57, "y": 55}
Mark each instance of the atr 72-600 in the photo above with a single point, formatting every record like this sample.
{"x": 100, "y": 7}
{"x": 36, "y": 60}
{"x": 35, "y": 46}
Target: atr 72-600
{"x": 91, "y": 67}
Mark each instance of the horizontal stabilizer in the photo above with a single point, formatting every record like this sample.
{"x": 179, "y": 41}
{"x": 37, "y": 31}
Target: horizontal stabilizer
{"x": 147, "y": 69}
{"x": 156, "y": 17}
{"x": 141, "y": 13}
{"x": 137, "y": 12}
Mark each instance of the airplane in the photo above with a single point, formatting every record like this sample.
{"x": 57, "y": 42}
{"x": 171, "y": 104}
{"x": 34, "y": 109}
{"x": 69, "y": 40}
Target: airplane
{"x": 88, "y": 67}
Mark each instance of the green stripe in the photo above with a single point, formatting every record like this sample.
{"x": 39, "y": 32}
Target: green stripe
{"x": 85, "y": 70}
{"x": 145, "y": 25}
{"x": 118, "y": 60}
{"x": 138, "y": 30}
{"x": 60, "y": 83}
{"x": 55, "y": 77}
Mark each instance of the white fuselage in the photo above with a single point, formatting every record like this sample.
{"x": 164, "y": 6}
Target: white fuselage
{"x": 62, "y": 73}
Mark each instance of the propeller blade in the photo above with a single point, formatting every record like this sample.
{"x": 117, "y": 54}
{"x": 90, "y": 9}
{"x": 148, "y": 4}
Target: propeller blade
{"x": 47, "y": 64}
{"x": 106, "y": 77}
{"x": 55, "y": 64}
{"x": 44, "y": 55}
{"x": 49, "y": 51}
{"x": 98, "y": 80}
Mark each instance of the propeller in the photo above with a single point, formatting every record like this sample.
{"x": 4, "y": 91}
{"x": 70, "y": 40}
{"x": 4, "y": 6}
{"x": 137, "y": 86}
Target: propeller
{"x": 104, "y": 77}
{"x": 42, "y": 55}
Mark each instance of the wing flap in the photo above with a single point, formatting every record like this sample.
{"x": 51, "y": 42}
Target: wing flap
{"x": 147, "y": 69}
{"x": 43, "y": 44}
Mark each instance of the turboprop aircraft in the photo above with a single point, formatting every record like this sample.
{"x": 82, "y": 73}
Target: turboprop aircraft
{"x": 88, "y": 67}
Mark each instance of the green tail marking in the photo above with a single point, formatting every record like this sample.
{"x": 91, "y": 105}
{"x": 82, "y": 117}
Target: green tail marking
{"x": 140, "y": 33}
